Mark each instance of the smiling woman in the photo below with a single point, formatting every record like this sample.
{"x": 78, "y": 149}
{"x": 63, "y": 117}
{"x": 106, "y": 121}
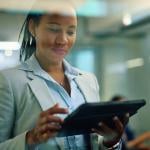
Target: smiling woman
{"x": 32, "y": 101}
{"x": 49, "y": 29}
{"x": 55, "y": 35}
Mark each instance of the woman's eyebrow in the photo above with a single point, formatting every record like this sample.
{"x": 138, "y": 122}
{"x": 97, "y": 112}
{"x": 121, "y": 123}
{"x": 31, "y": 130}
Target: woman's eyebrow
{"x": 72, "y": 27}
{"x": 55, "y": 23}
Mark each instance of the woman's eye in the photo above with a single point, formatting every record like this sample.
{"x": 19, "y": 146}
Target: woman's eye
{"x": 53, "y": 30}
{"x": 71, "y": 33}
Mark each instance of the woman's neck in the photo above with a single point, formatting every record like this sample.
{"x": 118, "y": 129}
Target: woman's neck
{"x": 49, "y": 66}
{"x": 56, "y": 71}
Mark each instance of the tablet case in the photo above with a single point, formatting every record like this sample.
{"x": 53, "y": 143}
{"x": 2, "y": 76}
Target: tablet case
{"x": 88, "y": 115}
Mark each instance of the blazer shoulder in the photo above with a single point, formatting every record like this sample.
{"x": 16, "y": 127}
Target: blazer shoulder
{"x": 12, "y": 72}
{"x": 14, "y": 76}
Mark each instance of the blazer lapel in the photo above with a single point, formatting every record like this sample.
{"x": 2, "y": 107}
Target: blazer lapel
{"x": 87, "y": 88}
{"x": 41, "y": 92}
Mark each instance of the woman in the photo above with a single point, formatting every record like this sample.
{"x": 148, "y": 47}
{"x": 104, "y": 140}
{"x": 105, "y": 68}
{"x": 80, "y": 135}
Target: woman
{"x": 36, "y": 95}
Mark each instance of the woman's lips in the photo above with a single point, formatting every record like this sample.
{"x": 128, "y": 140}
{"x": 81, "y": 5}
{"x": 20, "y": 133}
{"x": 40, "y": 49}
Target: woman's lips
{"x": 60, "y": 51}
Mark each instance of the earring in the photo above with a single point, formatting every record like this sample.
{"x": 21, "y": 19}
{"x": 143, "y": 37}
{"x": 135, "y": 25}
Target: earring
{"x": 30, "y": 40}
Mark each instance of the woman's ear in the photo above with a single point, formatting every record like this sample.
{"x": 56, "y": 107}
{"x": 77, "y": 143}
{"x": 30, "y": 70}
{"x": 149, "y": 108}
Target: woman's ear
{"x": 32, "y": 27}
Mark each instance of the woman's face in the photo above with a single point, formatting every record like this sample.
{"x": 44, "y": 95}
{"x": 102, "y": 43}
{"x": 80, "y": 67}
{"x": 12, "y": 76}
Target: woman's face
{"x": 55, "y": 35}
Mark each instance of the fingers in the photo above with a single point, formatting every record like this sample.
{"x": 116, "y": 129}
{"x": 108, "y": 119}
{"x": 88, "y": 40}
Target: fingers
{"x": 48, "y": 115}
{"x": 118, "y": 124}
{"x": 57, "y": 110}
{"x": 104, "y": 128}
{"x": 47, "y": 135}
{"x": 49, "y": 127}
{"x": 49, "y": 119}
{"x": 54, "y": 110}
{"x": 112, "y": 135}
{"x": 46, "y": 131}
{"x": 48, "y": 124}
{"x": 98, "y": 131}
{"x": 126, "y": 118}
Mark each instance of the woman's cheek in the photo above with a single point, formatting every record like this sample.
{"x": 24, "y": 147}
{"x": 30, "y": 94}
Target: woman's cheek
{"x": 71, "y": 43}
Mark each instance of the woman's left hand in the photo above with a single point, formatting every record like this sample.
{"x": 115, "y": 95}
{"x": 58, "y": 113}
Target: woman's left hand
{"x": 112, "y": 136}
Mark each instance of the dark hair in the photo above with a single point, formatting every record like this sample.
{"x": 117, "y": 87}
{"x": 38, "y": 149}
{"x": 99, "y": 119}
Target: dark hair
{"x": 117, "y": 98}
{"x": 28, "y": 44}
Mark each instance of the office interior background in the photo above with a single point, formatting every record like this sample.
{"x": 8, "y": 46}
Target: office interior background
{"x": 113, "y": 42}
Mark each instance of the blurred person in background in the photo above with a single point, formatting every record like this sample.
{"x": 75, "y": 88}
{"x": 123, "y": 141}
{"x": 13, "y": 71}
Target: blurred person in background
{"x": 130, "y": 142}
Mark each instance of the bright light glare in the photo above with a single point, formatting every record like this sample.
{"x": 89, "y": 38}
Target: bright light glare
{"x": 135, "y": 63}
{"x": 116, "y": 68}
{"x": 127, "y": 19}
{"x": 92, "y": 8}
{"x": 9, "y": 45}
{"x": 8, "y": 53}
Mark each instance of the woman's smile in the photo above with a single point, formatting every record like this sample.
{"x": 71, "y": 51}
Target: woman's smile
{"x": 59, "y": 51}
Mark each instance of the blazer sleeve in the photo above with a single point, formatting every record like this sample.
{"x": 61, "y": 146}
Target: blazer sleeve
{"x": 7, "y": 118}
{"x": 97, "y": 87}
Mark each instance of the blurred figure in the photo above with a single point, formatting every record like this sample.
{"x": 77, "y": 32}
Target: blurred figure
{"x": 129, "y": 140}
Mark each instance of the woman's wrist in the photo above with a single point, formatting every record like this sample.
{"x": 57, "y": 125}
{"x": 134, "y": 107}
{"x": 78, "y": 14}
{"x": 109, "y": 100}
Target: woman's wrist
{"x": 30, "y": 139}
{"x": 114, "y": 147}
{"x": 109, "y": 144}
{"x": 104, "y": 146}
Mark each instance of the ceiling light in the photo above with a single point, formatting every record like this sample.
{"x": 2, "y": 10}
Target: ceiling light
{"x": 4, "y": 45}
{"x": 8, "y": 53}
{"x": 135, "y": 63}
{"x": 127, "y": 19}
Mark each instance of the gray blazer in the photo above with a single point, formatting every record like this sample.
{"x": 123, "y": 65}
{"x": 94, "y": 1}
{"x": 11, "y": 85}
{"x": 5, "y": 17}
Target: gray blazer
{"x": 23, "y": 96}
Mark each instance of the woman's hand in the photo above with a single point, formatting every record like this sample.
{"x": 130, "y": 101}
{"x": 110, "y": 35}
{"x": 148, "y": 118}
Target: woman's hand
{"x": 47, "y": 126}
{"x": 112, "y": 136}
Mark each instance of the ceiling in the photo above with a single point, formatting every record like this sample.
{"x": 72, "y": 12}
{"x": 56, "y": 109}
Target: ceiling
{"x": 100, "y": 18}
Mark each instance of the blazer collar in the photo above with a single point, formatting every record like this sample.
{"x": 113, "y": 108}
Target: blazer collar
{"x": 33, "y": 65}
{"x": 40, "y": 89}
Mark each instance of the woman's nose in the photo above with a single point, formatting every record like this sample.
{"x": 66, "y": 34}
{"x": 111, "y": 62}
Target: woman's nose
{"x": 61, "y": 38}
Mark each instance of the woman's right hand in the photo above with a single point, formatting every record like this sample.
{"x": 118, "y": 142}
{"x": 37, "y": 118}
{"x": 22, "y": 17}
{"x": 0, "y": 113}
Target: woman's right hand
{"x": 47, "y": 126}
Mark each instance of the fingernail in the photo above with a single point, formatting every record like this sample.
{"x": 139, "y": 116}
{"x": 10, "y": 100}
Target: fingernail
{"x": 56, "y": 105}
{"x": 66, "y": 110}
{"x": 115, "y": 118}
{"x": 59, "y": 126}
{"x": 127, "y": 115}
{"x": 62, "y": 120}
{"x": 100, "y": 124}
{"x": 93, "y": 129}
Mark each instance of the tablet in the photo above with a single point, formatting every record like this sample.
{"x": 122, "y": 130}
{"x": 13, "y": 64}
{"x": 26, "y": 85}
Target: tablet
{"x": 88, "y": 115}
